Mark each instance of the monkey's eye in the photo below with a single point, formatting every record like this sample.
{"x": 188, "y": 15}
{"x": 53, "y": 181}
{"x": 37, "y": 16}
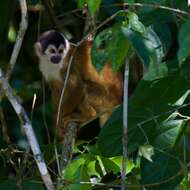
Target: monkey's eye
{"x": 52, "y": 51}
{"x": 60, "y": 51}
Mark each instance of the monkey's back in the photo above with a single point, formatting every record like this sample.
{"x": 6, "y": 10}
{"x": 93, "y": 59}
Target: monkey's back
{"x": 103, "y": 90}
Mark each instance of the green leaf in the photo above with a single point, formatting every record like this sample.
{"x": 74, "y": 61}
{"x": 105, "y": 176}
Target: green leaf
{"x": 71, "y": 170}
{"x": 135, "y": 24}
{"x": 156, "y": 72}
{"x": 163, "y": 167}
{"x": 119, "y": 159}
{"x": 81, "y": 3}
{"x": 185, "y": 184}
{"x": 93, "y": 5}
{"x": 149, "y": 48}
{"x": 80, "y": 176}
{"x": 151, "y": 17}
{"x": 109, "y": 141}
{"x": 12, "y": 34}
{"x": 110, "y": 46}
{"x": 150, "y": 100}
{"x": 109, "y": 165}
{"x": 184, "y": 42}
{"x": 81, "y": 169}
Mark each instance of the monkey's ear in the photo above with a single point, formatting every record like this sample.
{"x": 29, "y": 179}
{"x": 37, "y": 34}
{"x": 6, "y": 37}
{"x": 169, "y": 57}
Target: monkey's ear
{"x": 38, "y": 49}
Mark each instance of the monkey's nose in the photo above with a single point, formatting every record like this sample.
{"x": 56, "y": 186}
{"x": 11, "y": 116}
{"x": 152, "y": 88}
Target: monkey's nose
{"x": 55, "y": 59}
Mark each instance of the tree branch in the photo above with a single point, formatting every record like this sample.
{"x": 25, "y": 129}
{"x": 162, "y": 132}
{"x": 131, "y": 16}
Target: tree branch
{"x": 68, "y": 142}
{"x": 26, "y": 125}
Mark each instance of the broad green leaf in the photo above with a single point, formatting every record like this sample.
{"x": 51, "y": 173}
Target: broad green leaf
{"x": 82, "y": 168}
{"x": 71, "y": 170}
{"x": 156, "y": 72}
{"x": 170, "y": 132}
{"x": 185, "y": 184}
{"x": 182, "y": 5}
{"x": 151, "y": 17}
{"x": 163, "y": 167}
{"x": 93, "y": 5}
{"x": 91, "y": 168}
{"x": 149, "y": 48}
{"x": 109, "y": 141}
{"x": 80, "y": 176}
{"x": 184, "y": 42}
{"x": 119, "y": 159}
{"x": 109, "y": 165}
{"x": 161, "y": 130}
{"x": 110, "y": 46}
{"x": 135, "y": 24}
{"x": 77, "y": 171}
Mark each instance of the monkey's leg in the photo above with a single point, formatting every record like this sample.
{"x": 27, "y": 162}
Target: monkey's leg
{"x": 83, "y": 114}
{"x": 104, "y": 117}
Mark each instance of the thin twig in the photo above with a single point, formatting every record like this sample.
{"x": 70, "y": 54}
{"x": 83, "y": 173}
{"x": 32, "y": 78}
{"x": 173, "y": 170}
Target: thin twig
{"x": 129, "y": 4}
{"x": 19, "y": 39}
{"x": 125, "y": 124}
{"x": 27, "y": 127}
{"x": 71, "y": 129}
{"x": 68, "y": 13}
{"x": 21, "y": 169}
{"x": 163, "y": 114}
{"x": 59, "y": 162}
{"x": 64, "y": 87}
{"x": 90, "y": 22}
{"x": 156, "y": 6}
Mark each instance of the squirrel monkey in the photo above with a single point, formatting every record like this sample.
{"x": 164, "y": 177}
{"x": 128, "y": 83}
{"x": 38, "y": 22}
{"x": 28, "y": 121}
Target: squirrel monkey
{"x": 87, "y": 92}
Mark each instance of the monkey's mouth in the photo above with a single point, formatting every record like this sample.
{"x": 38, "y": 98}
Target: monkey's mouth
{"x": 55, "y": 59}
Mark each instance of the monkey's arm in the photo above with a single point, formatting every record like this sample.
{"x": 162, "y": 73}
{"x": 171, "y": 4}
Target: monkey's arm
{"x": 72, "y": 96}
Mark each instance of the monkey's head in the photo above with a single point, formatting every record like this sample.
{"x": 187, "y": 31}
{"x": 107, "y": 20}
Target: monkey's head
{"x": 51, "y": 49}
{"x": 53, "y": 46}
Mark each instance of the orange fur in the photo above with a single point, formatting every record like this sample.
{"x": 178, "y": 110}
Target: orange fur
{"x": 87, "y": 92}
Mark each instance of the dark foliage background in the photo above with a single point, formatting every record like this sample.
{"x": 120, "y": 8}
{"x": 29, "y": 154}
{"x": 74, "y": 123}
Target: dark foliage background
{"x": 154, "y": 38}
